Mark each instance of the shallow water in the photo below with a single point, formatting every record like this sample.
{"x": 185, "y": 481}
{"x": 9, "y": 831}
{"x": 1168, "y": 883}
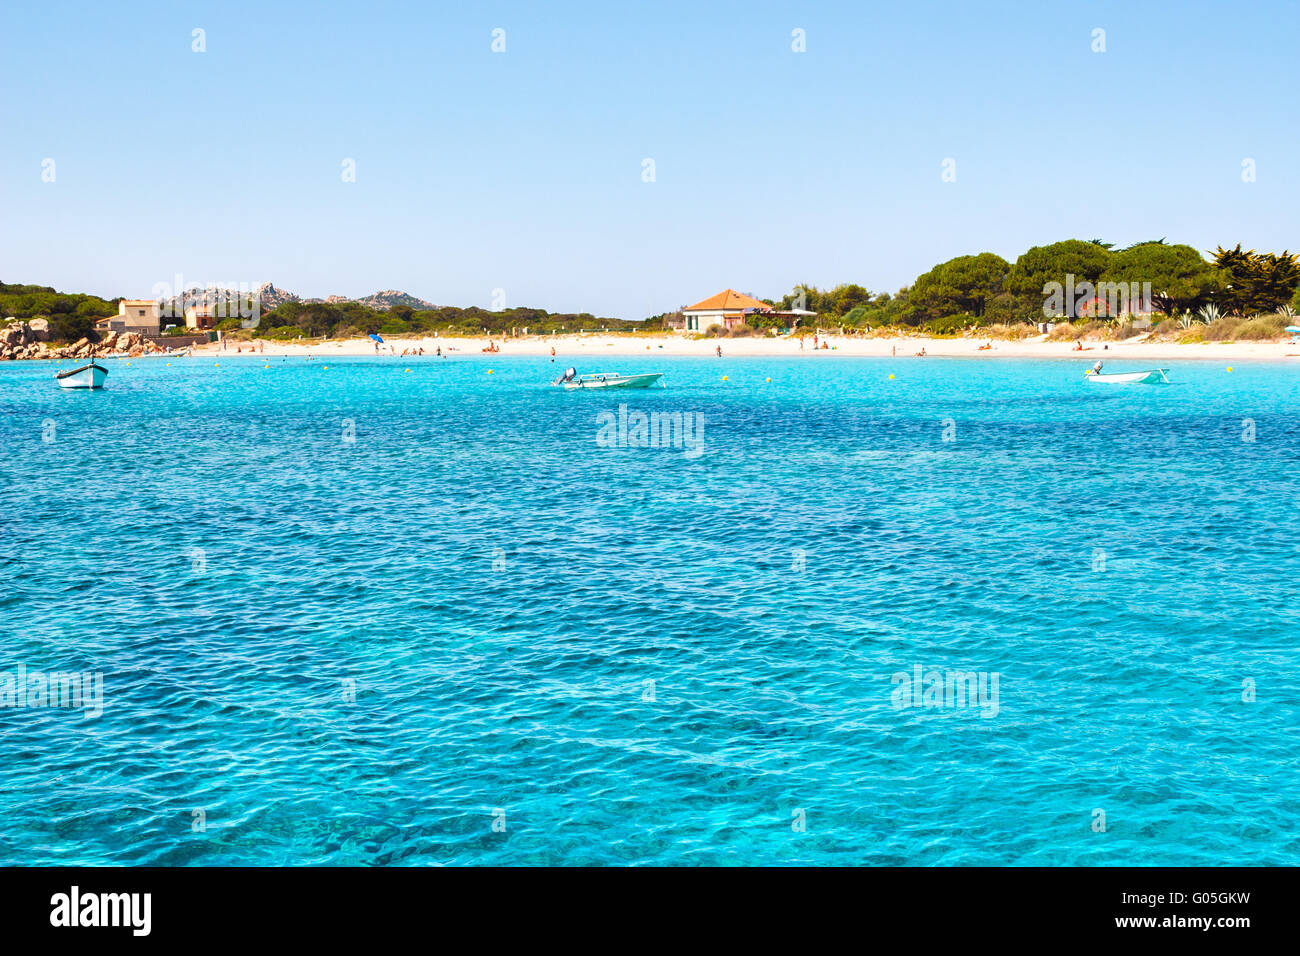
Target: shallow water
{"x": 368, "y": 651}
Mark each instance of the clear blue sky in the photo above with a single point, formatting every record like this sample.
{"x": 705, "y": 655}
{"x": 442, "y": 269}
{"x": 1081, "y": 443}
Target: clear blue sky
{"x": 523, "y": 170}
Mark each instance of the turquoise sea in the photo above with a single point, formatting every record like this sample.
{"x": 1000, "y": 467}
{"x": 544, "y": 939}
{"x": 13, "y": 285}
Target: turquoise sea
{"x": 346, "y": 613}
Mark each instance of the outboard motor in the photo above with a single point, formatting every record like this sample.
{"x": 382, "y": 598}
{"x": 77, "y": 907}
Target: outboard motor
{"x": 568, "y": 376}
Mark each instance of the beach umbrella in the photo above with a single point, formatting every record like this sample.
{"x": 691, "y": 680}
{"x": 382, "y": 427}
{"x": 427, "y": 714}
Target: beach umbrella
{"x": 1293, "y": 329}
{"x": 376, "y": 338}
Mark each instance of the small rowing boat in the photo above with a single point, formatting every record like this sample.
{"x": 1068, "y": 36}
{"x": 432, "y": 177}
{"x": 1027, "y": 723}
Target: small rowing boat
{"x": 571, "y": 379}
{"x": 1150, "y": 376}
{"x": 88, "y": 376}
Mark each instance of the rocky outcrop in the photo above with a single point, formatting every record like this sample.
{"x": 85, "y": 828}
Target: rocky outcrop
{"x": 268, "y": 296}
{"x": 18, "y": 341}
{"x": 385, "y": 300}
{"x": 22, "y": 341}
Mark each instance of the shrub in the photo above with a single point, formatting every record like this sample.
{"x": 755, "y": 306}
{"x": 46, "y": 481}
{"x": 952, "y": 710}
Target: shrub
{"x": 1261, "y": 327}
{"x": 1012, "y": 332}
{"x": 950, "y": 324}
{"x": 1065, "y": 332}
{"x": 1222, "y": 330}
{"x": 282, "y": 332}
{"x": 70, "y": 328}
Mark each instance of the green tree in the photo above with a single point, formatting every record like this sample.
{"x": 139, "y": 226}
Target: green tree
{"x": 1086, "y": 261}
{"x": 844, "y": 298}
{"x": 965, "y": 284}
{"x": 66, "y": 327}
{"x": 1180, "y": 277}
{"x": 1256, "y": 282}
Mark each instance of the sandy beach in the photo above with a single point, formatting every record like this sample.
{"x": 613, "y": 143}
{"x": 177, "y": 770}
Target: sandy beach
{"x": 583, "y": 349}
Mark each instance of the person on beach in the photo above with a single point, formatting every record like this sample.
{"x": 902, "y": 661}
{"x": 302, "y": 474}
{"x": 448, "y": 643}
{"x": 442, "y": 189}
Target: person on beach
{"x": 719, "y": 351}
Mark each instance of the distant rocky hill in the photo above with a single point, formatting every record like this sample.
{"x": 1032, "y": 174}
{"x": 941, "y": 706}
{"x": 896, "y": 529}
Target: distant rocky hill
{"x": 272, "y": 297}
{"x": 383, "y": 301}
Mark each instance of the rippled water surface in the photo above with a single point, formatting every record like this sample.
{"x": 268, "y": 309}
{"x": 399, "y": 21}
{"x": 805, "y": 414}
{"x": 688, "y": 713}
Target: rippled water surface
{"x": 323, "y": 650}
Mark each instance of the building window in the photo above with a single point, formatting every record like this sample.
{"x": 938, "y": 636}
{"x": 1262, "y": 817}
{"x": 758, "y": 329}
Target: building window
{"x": 141, "y": 311}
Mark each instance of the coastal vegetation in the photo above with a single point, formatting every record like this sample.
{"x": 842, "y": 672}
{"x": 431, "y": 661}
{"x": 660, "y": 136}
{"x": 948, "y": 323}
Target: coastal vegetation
{"x": 350, "y": 319}
{"x": 71, "y": 315}
{"x": 1246, "y": 294}
{"x": 1226, "y": 295}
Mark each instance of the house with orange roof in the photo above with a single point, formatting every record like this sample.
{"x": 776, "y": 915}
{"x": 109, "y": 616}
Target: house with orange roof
{"x": 728, "y": 309}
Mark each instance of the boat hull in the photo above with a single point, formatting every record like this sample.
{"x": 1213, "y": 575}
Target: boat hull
{"x": 610, "y": 380}
{"x": 88, "y": 376}
{"x": 1151, "y": 376}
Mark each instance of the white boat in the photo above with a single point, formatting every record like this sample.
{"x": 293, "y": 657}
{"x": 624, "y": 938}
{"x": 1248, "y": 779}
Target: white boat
{"x": 571, "y": 379}
{"x": 88, "y": 376}
{"x": 1150, "y": 376}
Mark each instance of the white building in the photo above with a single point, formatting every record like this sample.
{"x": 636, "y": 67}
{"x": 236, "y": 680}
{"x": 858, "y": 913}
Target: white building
{"x": 133, "y": 315}
{"x": 727, "y": 309}
{"x": 730, "y": 308}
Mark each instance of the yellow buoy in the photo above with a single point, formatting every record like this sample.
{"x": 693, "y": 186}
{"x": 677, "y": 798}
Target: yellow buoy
{"x": 408, "y": 369}
{"x": 768, "y": 380}
{"x": 489, "y": 371}
{"x": 725, "y": 378}
{"x": 891, "y": 374}
{"x": 1229, "y": 368}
